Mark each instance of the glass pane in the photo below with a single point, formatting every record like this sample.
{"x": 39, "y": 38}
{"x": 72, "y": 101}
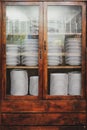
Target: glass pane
{"x": 22, "y": 42}
{"x": 64, "y": 50}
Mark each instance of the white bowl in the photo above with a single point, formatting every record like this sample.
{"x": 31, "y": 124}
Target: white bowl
{"x": 29, "y": 60}
{"x": 30, "y": 63}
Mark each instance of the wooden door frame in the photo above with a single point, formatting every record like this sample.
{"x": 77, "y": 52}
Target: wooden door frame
{"x": 83, "y": 5}
{"x": 4, "y": 4}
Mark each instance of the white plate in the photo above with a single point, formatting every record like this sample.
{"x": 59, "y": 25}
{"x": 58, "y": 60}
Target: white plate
{"x": 73, "y": 45}
{"x": 30, "y": 49}
{"x": 74, "y": 40}
{"x": 73, "y": 54}
{"x": 29, "y": 54}
{"x": 73, "y": 51}
{"x": 52, "y": 63}
{"x": 54, "y": 57}
{"x": 70, "y": 63}
{"x": 11, "y": 63}
{"x": 29, "y": 60}
{"x": 30, "y": 63}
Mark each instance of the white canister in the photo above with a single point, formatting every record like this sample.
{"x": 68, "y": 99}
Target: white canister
{"x": 75, "y": 83}
{"x": 59, "y": 84}
{"x": 33, "y": 87}
{"x": 19, "y": 82}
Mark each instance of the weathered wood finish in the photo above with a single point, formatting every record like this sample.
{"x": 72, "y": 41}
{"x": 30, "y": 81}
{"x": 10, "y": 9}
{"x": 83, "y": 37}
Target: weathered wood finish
{"x": 44, "y": 119}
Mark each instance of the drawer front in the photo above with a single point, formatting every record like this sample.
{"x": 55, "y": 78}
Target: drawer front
{"x": 43, "y": 106}
{"x": 44, "y": 119}
{"x": 44, "y": 128}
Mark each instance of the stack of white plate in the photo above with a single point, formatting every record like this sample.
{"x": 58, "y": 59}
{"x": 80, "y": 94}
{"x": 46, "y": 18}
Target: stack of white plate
{"x": 12, "y": 54}
{"x": 29, "y": 52}
{"x": 54, "y": 53}
{"x": 33, "y": 87}
{"x": 58, "y": 84}
{"x": 74, "y": 83}
{"x": 19, "y": 82}
{"x": 73, "y": 51}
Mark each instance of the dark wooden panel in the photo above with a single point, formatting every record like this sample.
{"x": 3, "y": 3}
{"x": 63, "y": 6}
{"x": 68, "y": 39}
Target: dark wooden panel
{"x": 0, "y": 119}
{"x": 44, "y": 128}
{"x": 86, "y": 73}
{"x": 0, "y": 53}
{"x": 0, "y": 63}
{"x": 44, "y": 106}
{"x": 1, "y": 128}
{"x": 44, "y": 119}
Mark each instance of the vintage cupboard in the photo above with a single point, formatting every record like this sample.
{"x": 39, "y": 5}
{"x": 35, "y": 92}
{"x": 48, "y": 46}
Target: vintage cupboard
{"x": 43, "y": 82}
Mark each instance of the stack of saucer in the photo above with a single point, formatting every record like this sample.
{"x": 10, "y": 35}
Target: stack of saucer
{"x": 74, "y": 83}
{"x": 19, "y": 82}
{"x": 73, "y": 51}
{"x": 58, "y": 84}
{"x": 30, "y": 52}
{"x": 12, "y": 54}
{"x": 54, "y": 53}
{"x": 33, "y": 87}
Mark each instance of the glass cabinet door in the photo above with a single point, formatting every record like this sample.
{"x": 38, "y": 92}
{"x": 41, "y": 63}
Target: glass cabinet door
{"x": 23, "y": 76}
{"x": 65, "y": 51}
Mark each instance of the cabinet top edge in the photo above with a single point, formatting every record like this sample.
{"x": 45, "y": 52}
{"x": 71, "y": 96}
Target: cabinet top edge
{"x": 43, "y": 1}
{"x": 46, "y": 2}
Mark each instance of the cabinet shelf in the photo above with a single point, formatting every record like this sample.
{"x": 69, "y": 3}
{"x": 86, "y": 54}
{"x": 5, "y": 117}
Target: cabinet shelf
{"x": 64, "y": 67}
{"x": 49, "y": 67}
{"x": 65, "y": 34}
{"x": 21, "y": 34}
{"x": 22, "y": 67}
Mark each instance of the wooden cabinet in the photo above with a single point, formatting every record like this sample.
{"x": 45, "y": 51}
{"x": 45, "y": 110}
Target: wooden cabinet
{"x": 43, "y": 65}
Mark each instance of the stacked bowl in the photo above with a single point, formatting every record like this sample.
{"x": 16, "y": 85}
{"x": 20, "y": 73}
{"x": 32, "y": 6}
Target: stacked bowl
{"x": 73, "y": 51}
{"x": 54, "y": 53}
{"x": 58, "y": 84}
{"x": 29, "y": 52}
{"x": 12, "y": 54}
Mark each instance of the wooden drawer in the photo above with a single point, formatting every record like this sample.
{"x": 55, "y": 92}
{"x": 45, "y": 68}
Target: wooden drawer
{"x": 44, "y": 128}
{"x": 44, "y": 119}
{"x": 15, "y": 106}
